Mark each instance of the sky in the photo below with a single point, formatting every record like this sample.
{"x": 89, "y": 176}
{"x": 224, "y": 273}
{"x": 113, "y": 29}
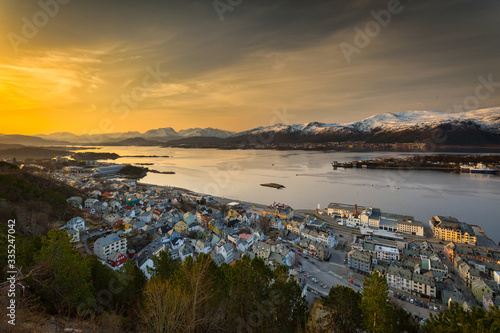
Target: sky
{"x": 94, "y": 66}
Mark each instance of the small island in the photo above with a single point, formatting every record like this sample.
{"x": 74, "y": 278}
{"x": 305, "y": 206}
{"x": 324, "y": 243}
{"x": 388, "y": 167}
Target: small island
{"x": 93, "y": 156}
{"x": 131, "y": 171}
{"x": 273, "y": 185}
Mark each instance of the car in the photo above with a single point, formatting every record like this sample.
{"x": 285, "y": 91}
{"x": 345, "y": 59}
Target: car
{"x": 314, "y": 280}
{"x": 411, "y": 300}
{"x": 314, "y": 292}
{"x": 435, "y": 308}
{"x": 324, "y": 286}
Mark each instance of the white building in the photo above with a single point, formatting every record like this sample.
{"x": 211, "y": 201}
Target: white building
{"x": 89, "y": 203}
{"x": 104, "y": 246}
{"x": 77, "y": 223}
{"x": 399, "y": 278}
{"x": 386, "y": 253}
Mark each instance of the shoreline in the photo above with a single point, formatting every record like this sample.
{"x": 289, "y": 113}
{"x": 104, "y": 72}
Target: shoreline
{"x": 304, "y": 211}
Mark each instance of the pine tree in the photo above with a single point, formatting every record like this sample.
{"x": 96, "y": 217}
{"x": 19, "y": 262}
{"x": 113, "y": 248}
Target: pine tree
{"x": 375, "y": 304}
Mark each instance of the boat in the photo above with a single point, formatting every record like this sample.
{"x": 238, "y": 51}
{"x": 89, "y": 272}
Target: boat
{"x": 478, "y": 168}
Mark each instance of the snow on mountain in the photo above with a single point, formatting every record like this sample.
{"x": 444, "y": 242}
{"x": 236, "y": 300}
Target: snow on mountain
{"x": 483, "y": 120}
{"x": 212, "y": 132}
{"x": 487, "y": 119}
{"x": 160, "y": 132}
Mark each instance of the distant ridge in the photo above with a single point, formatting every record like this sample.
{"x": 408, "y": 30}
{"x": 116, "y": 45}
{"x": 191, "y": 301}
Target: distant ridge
{"x": 478, "y": 127}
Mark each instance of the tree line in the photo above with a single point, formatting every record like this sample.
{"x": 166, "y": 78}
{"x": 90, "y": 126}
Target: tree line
{"x": 198, "y": 296}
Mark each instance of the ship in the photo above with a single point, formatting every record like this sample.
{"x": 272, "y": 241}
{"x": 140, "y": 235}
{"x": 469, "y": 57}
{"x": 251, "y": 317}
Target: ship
{"x": 478, "y": 168}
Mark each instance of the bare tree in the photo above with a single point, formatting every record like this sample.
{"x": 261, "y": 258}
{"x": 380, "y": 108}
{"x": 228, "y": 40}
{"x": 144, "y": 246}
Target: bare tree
{"x": 166, "y": 307}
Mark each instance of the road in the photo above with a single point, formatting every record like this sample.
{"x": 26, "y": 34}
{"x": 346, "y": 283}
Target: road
{"x": 334, "y": 272}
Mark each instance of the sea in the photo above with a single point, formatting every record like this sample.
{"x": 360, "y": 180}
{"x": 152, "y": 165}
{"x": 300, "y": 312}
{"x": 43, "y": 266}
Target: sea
{"x": 311, "y": 181}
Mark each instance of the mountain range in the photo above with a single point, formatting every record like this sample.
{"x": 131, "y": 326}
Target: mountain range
{"x": 477, "y": 127}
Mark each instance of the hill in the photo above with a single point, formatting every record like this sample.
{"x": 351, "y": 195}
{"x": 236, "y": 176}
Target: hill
{"x": 23, "y": 153}
{"x": 36, "y": 202}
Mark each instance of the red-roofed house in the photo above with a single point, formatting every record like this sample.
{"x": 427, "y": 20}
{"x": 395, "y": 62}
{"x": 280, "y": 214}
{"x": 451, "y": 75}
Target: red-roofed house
{"x": 116, "y": 259}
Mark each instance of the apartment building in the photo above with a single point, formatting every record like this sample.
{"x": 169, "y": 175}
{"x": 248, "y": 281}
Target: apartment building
{"x": 104, "y": 246}
{"x": 449, "y": 229}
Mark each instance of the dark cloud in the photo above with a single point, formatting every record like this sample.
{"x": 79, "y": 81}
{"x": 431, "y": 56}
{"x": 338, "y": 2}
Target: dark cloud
{"x": 269, "y": 53}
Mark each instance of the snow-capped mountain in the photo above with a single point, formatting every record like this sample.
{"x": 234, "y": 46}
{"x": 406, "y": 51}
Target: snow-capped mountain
{"x": 159, "y": 133}
{"x": 211, "y": 132}
{"x": 486, "y": 118}
{"x": 471, "y": 127}
{"x": 154, "y": 135}
{"x": 476, "y": 127}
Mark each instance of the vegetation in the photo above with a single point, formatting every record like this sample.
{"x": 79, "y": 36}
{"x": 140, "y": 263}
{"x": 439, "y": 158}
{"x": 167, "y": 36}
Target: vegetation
{"x": 199, "y": 296}
{"x": 55, "y": 280}
{"x": 34, "y": 200}
{"x": 94, "y": 156}
{"x": 23, "y": 153}
{"x": 133, "y": 171}
{"x": 348, "y": 311}
{"x": 456, "y": 319}
{"x": 343, "y": 310}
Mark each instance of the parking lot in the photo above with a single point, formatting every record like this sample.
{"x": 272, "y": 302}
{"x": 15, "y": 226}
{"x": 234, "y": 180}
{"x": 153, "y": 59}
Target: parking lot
{"x": 320, "y": 276}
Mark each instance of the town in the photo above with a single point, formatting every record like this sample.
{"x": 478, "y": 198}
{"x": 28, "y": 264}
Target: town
{"x": 428, "y": 265}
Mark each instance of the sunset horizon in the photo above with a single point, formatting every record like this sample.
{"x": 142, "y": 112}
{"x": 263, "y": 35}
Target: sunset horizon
{"x": 72, "y": 66}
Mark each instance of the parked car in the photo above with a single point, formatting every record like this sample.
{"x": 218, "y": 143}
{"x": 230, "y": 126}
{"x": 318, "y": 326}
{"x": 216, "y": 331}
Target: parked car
{"x": 324, "y": 286}
{"x": 314, "y": 280}
{"x": 411, "y": 301}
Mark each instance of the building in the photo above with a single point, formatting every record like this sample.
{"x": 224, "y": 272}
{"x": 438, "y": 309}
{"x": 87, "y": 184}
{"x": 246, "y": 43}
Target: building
{"x": 449, "y": 229}
{"x": 342, "y": 210}
{"x": 386, "y": 253}
{"x": 104, "y": 246}
{"x": 280, "y": 210}
{"x": 399, "y": 278}
{"x": 481, "y": 288}
{"x": 106, "y": 170}
{"x": 262, "y": 250}
{"x": 73, "y": 228}
{"x": 411, "y": 227}
{"x": 77, "y": 223}
{"x": 423, "y": 285}
{"x": 360, "y": 262}
{"x": 116, "y": 259}
{"x": 496, "y": 277}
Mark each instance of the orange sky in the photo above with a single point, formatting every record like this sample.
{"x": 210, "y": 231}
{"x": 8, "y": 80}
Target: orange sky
{"x": 98, "y": 67}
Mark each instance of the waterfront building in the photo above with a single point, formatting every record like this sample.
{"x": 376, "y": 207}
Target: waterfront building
{"x": 449, "y": 229}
